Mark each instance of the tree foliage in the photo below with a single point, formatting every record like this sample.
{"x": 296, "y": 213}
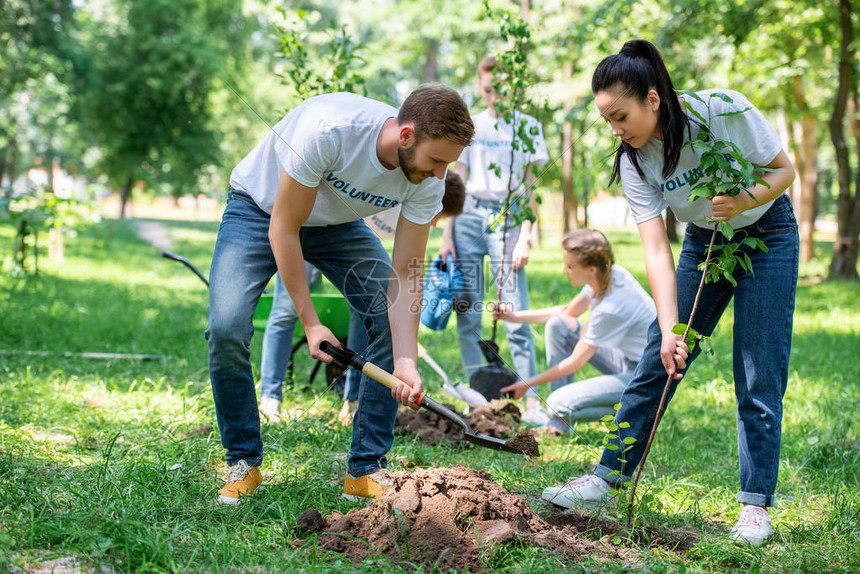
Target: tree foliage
{"x": 144, "y": 85}
{"x": 162, "y": 92}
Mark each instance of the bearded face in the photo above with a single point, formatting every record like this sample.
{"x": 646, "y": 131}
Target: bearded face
{"x": 406, "y": 158}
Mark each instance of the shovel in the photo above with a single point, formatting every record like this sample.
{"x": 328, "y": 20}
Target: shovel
{"x": 458, "y": 390}
{"x": 347, "y": 358}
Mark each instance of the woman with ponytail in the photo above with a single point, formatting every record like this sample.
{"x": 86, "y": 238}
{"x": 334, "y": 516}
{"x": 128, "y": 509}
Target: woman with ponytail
{"x": 635, "y": 95}
{"x": 611, "y": 341}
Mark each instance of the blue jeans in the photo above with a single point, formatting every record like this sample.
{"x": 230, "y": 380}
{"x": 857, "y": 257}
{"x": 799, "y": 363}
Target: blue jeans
{"x": 472, "y": 241}
{"x": 278, "y": 338}
{"x": 354, "y": 260}
{"x": 278, "y": 342}
{"x": 590, "y": 399}
{"x": 764, "y": 310}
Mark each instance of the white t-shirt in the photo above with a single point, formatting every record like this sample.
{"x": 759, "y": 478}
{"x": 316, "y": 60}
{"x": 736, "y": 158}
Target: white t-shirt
{"x": 493, "y": 146}
{"x": 750, "y": 131}
{"x": 384, "y": 223}
{"x": 330, "y": 142}
{"x": 621, "y": 319}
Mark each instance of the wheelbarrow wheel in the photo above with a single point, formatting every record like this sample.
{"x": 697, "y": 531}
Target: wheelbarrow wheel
{"x": 335, "y": 376}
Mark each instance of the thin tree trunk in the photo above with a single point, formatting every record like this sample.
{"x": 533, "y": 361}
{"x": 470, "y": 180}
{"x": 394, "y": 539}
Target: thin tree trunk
{"x": 671, "y": 225}
{"x": 844, "y": 262}
{"x": 125, "y": 197}
{"x": 431, "y": 62}
{"x": 568, "y": 198}
{"x": 808, "y": 175}
{"x": 795, "y": 155}
{"x": 586, "y": 178}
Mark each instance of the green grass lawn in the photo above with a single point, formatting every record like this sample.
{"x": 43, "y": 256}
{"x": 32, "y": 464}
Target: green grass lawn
{"x": 115, "y": 463}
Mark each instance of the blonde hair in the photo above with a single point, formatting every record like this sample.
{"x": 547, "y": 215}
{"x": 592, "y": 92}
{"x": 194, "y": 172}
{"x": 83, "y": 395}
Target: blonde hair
{"x": 592, "y": 249}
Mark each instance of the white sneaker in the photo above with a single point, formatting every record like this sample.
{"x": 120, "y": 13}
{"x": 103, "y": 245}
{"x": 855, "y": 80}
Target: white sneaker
{"x": 346, "y": 412}
{"x": 270, "y": 407}
{"x": 583, "y": 491}
{"x": 753, "y": 526}
{"x": 535, "y": 416}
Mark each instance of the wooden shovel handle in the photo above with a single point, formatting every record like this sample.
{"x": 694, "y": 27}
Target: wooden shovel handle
{"x": 383, "y": 377}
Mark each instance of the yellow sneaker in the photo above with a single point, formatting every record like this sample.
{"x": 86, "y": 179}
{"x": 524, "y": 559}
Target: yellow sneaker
{"x": 367, "y": 486}
{"x": 242, "y": 480}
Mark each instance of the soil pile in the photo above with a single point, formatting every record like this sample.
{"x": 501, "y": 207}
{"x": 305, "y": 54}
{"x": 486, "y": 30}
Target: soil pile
{"x": 447, "y": 517}
{"x": 496, "y": 419}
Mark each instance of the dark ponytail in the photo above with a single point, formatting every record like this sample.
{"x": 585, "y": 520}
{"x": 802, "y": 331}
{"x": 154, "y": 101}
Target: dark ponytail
{"x": 635, "y": 70}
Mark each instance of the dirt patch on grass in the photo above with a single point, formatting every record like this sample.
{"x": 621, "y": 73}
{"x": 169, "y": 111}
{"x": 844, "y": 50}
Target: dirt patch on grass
{"x": 445, "y": 518}
{"x": 597, "y": 527}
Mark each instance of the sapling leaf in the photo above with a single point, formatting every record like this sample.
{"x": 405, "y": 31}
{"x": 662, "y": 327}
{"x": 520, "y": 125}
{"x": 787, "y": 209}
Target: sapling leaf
{"x": 705, "y": 342}
{"x": 730, "y": 278}
{"x": 726, "y": 229}
{"x": 722, "y": 96}
{"x": 699, "y": 144}
{"x": 691, "y": 337}
{"x": 723, "y": 163}
{"x": 628, "y": 440}
{"x": 606, "y": 418}
{"x": 695, "y": 113}
{"x": 745, "y": 262}
{"x": 624, "y": 425}
{"x": 726, "y": 114}
{"x": 691, "y": 94}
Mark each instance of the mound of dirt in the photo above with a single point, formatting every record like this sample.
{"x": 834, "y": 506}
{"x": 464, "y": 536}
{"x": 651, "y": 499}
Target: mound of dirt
{"x": 447, "y": 517}
{"x": 497, "y": 419}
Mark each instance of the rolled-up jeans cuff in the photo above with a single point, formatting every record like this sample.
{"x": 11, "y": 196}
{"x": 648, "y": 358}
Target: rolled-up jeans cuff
{"x": 358, "y": 473}
{"x": 755, "y": 498}
{"x": 611, "y": 476}
{"x": 253, "y": 461}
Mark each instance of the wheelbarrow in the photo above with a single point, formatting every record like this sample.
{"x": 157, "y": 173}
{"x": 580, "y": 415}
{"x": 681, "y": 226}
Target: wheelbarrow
{"x": 333, "y": 312}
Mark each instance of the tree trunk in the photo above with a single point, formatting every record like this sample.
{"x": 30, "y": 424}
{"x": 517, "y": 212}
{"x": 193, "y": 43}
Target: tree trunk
{"x": 808, "y": 175}
{"x": 795, "y": 155}
{"x": 568, "y": 199}
{"x": 586, "y": 177}
{"x": 844, "y": 263}
{"x": 431, "y": 63}
{"x": 671, "y": 225}
{"x": 125, "y": 198}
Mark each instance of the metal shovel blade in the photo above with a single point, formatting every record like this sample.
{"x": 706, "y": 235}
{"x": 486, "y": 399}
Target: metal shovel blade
{"x": 348, "y": 358}
{"x": 468, "y": 434}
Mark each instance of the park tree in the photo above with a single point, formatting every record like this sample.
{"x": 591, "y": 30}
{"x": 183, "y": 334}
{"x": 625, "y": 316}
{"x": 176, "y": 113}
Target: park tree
{"x": 844, "y": 262}
{"x": 33, "y": 36}
{"x": 145, "y": 78}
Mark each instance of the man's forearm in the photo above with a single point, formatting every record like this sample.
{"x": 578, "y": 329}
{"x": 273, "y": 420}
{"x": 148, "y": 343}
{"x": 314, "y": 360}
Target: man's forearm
{"x": 403, "y": 318}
